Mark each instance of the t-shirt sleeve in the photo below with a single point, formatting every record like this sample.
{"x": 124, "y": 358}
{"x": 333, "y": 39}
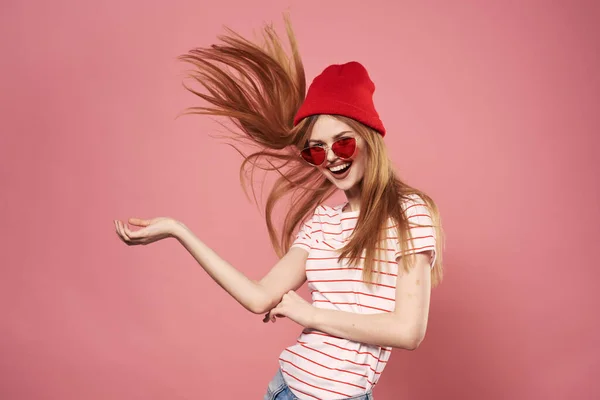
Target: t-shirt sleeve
{"x": 421, "y": 228}
{"x": 305, "y": 237}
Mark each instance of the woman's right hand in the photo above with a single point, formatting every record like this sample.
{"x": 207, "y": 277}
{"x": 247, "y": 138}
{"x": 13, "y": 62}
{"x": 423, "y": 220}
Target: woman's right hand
{"x": 152, "y": 230}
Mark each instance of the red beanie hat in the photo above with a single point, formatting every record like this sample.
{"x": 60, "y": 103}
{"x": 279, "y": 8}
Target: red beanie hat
{"x": 342, "y": 90}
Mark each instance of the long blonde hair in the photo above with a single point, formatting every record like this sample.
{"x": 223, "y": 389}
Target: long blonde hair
{"x": 259, "y": 88}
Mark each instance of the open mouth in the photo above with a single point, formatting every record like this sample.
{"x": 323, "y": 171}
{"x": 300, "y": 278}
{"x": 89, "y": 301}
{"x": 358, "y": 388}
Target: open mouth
{"x": 340, "y": 169}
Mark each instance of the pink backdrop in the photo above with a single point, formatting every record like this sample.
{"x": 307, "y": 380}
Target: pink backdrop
{"x": 491, "y": 108}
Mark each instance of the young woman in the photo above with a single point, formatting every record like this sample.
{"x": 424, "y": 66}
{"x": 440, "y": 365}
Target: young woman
{"x": 370, "y": 262}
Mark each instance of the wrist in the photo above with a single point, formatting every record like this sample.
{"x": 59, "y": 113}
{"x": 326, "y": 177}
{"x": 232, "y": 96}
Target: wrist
{"x": 178, "y": 230}
{"x": 314, "y": 318}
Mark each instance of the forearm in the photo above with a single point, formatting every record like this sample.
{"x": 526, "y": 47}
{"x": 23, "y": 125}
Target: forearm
{"x": 244, "y": 290}
{"x": 385, "y": 329}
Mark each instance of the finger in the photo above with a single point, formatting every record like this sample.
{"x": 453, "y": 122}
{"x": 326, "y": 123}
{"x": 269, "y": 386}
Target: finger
{"x": 116, "y": 223}
{"x": 272, "y": 314}
{"x": 122, "y": 230}
{"x": 277, "y": 312}
{"x": 139, "y": 234}
{"x": 134, "y": 237}
{"x": 125, "y": 234}
{"x": 127, "y": 231}
{"x": 118, "y": 228}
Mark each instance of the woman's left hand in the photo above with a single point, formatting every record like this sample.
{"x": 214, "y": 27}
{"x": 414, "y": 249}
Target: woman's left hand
{"x": 293, "y": 307}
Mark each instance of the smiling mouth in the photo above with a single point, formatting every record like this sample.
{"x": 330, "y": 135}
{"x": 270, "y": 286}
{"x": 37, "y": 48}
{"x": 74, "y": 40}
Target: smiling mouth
{"x": 340, "y": 169}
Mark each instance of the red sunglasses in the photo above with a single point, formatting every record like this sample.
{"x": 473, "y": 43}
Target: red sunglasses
{"x": 316, "y": 155}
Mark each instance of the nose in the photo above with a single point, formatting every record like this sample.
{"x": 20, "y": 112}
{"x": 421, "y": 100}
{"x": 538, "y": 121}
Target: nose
{"x": 331, "y": 157}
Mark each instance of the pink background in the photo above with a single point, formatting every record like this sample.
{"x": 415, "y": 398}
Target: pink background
{"x": 491, "y": 108}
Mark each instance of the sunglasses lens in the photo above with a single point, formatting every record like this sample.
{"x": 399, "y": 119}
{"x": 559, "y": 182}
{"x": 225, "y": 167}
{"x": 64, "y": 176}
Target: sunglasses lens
{"x": 344, "y": 148}
{"x": 314, "y": 155}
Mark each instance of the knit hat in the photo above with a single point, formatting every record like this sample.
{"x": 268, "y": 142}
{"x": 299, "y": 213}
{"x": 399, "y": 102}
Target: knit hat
{"x": 346, "y": 90}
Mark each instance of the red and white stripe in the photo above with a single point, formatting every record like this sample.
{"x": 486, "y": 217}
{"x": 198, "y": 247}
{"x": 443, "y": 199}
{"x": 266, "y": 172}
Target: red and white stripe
{"x": 321, "y": 366}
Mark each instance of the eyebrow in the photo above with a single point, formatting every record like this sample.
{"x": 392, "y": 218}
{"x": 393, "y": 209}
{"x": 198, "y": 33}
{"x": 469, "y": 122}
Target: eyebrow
{"x": 335, "y": 137}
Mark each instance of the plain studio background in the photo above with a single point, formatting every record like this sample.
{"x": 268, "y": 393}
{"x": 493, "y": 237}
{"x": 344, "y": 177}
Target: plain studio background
{"x": 491, "y": 107}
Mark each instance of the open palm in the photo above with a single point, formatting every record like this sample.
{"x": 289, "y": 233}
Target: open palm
{"x": 152, "y": 230}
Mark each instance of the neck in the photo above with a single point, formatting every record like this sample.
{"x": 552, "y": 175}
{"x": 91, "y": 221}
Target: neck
{"x": 353, "y": 196}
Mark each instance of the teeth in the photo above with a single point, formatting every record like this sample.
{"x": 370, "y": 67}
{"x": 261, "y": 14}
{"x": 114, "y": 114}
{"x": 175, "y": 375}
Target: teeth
{"x": 339, "y": 167}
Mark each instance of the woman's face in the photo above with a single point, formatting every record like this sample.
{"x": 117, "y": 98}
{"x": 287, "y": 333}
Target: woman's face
{"x": 345, "y": 174}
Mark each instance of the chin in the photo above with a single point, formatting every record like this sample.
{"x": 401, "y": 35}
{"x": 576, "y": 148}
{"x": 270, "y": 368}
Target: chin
{"x": 345, "y": 184}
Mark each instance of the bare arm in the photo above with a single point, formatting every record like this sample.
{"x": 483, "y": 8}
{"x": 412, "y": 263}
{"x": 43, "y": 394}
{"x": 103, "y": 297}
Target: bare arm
{"x": 257, "y": 297}
{"x": 403, "y": 328}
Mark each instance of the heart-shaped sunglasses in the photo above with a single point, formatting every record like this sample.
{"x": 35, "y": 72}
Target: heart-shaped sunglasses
{"x": 316, "y": 155}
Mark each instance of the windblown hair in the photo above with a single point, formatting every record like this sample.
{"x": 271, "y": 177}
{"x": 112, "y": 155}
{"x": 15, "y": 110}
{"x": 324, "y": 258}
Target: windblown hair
{"x": 259, "y": 88}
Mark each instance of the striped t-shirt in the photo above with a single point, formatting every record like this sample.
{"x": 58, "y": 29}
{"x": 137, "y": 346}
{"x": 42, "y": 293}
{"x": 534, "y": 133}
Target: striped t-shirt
{"x": 321, "y": 366}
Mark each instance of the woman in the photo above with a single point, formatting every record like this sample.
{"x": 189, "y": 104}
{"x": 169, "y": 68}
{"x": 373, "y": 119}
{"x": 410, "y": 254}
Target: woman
{"x": 370, "y": 263}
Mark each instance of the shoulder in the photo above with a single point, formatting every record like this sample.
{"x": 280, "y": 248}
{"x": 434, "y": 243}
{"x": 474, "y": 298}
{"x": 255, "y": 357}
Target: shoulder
{"x": 414, "y": 205}
{"x": 411, "y": 201}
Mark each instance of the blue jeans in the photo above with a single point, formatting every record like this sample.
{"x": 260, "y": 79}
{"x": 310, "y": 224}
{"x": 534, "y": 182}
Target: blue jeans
{"x": 278, "y": 390}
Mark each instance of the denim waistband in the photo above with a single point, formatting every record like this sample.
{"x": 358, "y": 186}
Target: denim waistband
{"x": 279, "y": 390}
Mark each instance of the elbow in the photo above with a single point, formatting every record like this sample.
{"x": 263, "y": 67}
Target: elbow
{"x": 413, "y": 342}
{"x": 260, "y": 302}
{"x": 411, "y": 339}
{"x": 260, "y": 305}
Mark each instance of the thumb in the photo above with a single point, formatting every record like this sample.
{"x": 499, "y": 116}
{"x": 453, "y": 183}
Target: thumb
{"x": 139, "y": 222}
